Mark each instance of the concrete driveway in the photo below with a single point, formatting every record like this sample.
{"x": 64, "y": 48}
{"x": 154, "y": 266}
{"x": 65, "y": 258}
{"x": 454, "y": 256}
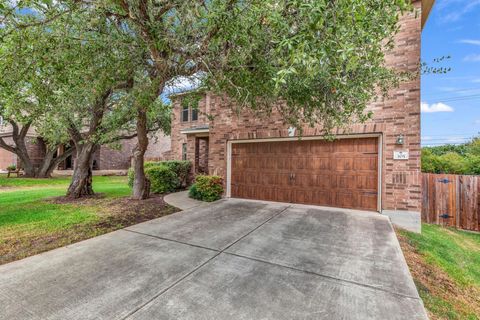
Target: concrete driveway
{"x": 233, "y": 259}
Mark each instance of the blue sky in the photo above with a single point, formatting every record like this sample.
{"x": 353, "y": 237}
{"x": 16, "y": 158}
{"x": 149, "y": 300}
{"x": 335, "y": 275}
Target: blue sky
{"x": 451, "y": 102}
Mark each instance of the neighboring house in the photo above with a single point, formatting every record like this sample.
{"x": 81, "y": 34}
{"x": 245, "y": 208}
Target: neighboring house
{"x": 367, "y": 167}
{"x": 106, "y": 157}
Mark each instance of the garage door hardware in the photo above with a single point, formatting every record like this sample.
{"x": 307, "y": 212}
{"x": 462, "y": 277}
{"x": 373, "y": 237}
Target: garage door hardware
{"x": 444, "y": 180}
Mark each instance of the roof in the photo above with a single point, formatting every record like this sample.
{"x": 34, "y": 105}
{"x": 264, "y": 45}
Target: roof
{"x": 426, "y": 8}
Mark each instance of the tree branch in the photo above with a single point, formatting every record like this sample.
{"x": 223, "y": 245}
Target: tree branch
{"x": 6, "y": 146}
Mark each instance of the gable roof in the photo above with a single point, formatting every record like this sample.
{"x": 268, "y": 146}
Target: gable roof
{"x": 426, "y": 8}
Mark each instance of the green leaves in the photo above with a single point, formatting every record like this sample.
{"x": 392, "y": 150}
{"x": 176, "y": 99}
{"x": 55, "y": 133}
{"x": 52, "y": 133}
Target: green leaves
{"x": 324, "y": 59}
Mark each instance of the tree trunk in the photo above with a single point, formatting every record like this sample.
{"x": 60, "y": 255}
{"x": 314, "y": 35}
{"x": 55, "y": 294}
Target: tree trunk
{"x": 25, "y": 163}
{"x": 141, "y": 184}
{"x": 81, "y": 184}
{"x": 50, "y": 162}
{"x": 47, "y": 161}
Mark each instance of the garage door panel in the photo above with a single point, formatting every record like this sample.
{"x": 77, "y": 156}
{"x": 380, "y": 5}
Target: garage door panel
{"x": 323, "y": 198}
{"x": 301, "y": 163}
{"x": 344, "y": 164}
{"x": 367, "y": 145}
{"x": 367, "y": 201}
{"x": 283, "y": 179}
{"x": 344, "y": 199}
{"x": 345, "y": 182}
{"x": 344, "y": 146}
{"x": 284, "y": 194}
{"x": 282, "y": 163}
{"x": 367, "y": 182}
{"x": 366, "y": 163}
{"x": 320, "y": 148}
{"x": 319, "y": 163}
{"x": 342, "y": 173}
{"x": 267, "y": 179}
{"x": 322, "y": 181}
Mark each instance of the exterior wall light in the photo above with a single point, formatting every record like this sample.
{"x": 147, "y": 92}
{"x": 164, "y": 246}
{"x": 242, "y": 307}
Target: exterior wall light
{"x": 400, "y": 139}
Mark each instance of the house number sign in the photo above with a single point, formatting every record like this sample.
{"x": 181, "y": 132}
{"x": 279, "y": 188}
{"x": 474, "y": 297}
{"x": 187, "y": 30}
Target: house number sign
{"x": 400, "y": 155}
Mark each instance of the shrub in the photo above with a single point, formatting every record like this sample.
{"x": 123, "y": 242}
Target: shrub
{"x": 207, "y": 188}
{"x": 12, "y": 167}
{"x": 131, "y": 177}
{"x": 180, "y": 168}
{"x": 162, "y": 179}
{"x": 193, "y": 192}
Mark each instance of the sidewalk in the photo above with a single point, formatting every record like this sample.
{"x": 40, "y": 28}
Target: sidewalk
{"x": 182, "y": 201}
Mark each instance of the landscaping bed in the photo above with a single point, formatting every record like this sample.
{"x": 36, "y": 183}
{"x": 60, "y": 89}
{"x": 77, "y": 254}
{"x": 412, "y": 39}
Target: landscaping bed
{"x": 445, "y": 265}
{"x": 34, "y": 216}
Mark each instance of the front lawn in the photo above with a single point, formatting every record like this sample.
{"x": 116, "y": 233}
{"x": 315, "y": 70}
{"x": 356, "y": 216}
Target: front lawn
{"x": 33, "y": 219}
{"x": 445, "y": 265}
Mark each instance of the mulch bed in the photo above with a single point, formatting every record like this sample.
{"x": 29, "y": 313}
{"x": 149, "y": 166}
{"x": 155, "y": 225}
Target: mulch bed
{"x": 113, "y": 214}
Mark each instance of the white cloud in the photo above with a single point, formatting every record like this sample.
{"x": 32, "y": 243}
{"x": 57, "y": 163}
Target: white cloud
{"x": 470, "y": 41}
{"x": 436, "y": 107}
{"x": 472, "y": 58}
{"x": 450, "y": 14}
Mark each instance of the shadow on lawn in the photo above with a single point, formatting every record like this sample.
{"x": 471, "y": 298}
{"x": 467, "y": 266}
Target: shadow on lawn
{"x": 112, "y": 214}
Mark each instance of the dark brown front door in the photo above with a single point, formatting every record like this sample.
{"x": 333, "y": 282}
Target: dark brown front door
{"x": 341, "y": 173}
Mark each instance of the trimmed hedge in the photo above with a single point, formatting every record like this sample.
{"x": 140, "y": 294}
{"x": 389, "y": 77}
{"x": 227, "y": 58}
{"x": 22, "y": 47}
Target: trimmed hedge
{"x": 162, "y": 179}
{"x": 180, "y": 168}
{"x": 206, "y": 188}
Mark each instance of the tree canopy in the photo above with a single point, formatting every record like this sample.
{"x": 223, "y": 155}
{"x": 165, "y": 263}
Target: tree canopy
{"x": 453, "y": 159}
{"x": 324, "y": 59}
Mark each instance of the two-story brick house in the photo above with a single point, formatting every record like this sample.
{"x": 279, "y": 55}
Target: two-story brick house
{"x": 372, "y": 166}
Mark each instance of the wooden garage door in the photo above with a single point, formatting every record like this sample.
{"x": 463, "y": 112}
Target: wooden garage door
{"x": 341, "y": 173}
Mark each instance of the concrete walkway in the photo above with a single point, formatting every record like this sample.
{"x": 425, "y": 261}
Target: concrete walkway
{"x": 233, "y": 259}
{"x": 182, "y": 201}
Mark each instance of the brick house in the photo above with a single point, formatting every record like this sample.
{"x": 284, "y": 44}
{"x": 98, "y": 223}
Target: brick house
{"x": 373, "y": 166}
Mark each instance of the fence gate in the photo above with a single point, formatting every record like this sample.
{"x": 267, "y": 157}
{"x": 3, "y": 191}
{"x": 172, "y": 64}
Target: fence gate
{"x": 451, "y": 200}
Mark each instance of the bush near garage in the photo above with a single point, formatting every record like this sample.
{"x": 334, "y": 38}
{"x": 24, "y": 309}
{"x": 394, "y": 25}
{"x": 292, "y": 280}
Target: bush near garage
{"x": 207, "y": 188}
{"x": 180, "y": 168}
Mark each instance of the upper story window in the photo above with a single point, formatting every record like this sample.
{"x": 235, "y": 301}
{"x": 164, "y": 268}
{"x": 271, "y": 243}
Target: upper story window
{"x": 194, "y": 114}
{"x": 185, "y": 113}
{"x": 190, "y": 107}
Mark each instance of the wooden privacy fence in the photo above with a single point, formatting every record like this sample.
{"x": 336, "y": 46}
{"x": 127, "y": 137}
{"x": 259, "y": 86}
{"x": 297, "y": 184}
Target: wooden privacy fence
{"x": 451, "y": 200}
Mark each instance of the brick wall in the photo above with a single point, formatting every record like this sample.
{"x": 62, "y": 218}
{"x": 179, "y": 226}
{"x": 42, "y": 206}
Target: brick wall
{"x": 158, "y": 147}
{"x": 395, "y": 115}
{"x": 111, "y": 158}
{"x": 178, "y": 138}
{"x": 7, "y": 158}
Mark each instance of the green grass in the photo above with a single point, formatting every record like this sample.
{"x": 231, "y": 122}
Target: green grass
{"x": 446, "y": 270}
{"x": 25, "y": 213}
{"x": 29, "y": 182}
{"x": 30, "y": 222}
{"x": 455, "y": 252}
{"x": 33, "y": 221}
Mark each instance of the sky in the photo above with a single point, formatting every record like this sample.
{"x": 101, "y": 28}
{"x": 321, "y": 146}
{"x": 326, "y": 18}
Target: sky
{"x": 451, "y": 102}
